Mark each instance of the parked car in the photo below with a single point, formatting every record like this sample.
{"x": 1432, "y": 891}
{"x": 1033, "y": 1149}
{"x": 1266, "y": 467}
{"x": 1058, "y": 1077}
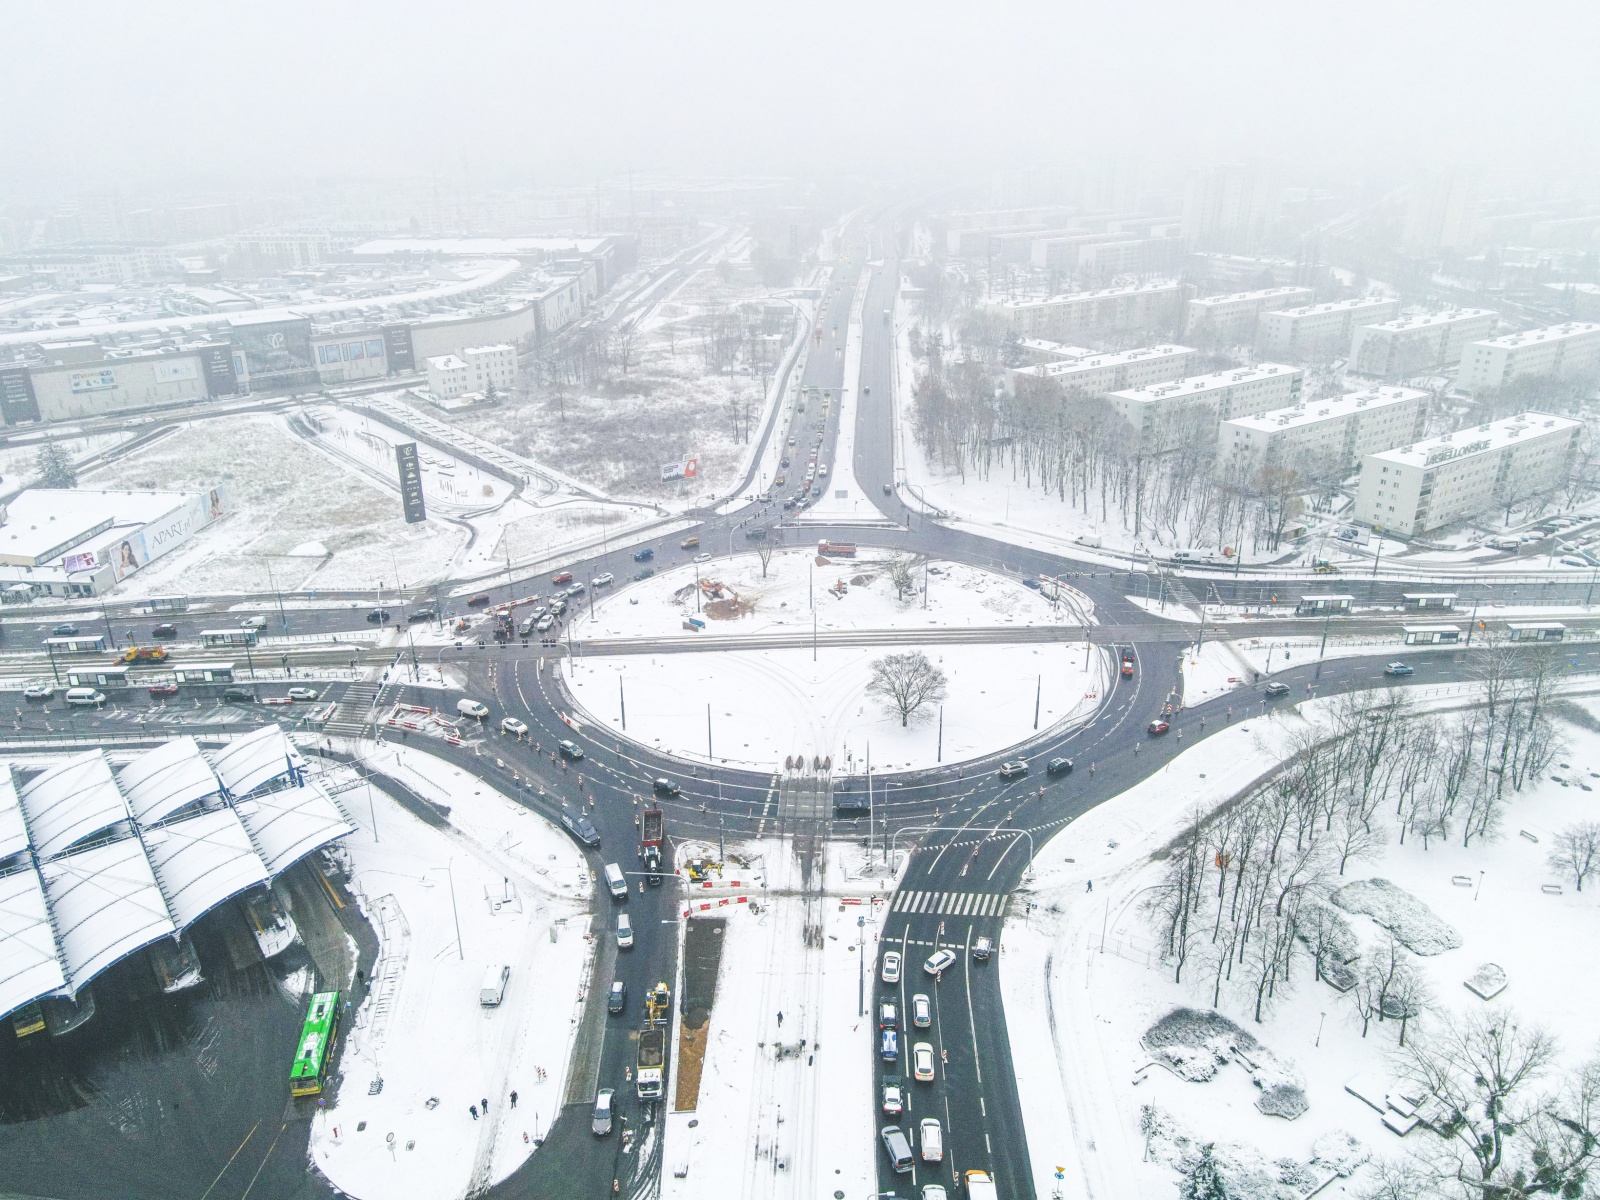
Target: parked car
{"x": 1277, "y": 688}
{"x": 1013, "y": 769}
{"x": 1398, "y": 668}
{"x": 1157, "y": 727}
{"x": 922, "y": 1062}
{"x": 160, "y": 691}
{"x": 890, "y": 972}
{"x": 921, "y": 1010}
{"x": 1059, "y": 766}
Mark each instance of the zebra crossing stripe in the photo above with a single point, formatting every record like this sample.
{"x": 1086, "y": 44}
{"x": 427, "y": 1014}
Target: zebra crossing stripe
{"x": 955, "y": 904}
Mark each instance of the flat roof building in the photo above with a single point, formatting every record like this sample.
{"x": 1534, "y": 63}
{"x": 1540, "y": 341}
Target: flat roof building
{"x": 1231, "y": 318}
{"x": 1414, "y": 345}
{"x": 1107, "y": 372}
{"x": 1226, "y": 393}
{"x": 1338, "y": 431}
{"x": 1556, "y": 350}
{"x": 1153, "y": 305}
{"x": 1320, "y": 329}
{"x": 1457, "y": 476}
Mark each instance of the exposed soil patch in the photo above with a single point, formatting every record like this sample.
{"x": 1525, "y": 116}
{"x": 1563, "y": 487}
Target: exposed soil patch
{"x": 702, "y": 959}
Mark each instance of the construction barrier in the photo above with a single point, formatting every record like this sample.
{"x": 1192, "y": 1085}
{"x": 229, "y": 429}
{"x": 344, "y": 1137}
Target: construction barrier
{"x": 708, "y": 905}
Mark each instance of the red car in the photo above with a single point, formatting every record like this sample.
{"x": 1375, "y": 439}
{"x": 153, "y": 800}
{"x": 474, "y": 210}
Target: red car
{"x": 562, "y": 577}
{"x": 1127, "y": 662}
{"x": 1158, "y": 726}
{"x": 478, "y": 601}
{"x": 158, "y": 690}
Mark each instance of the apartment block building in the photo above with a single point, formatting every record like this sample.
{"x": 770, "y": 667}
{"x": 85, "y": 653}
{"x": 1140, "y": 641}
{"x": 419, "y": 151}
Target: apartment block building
{"x": 1412, "y": 345}
{"x": 1225, "y": 393}
{"x": 1154, "y": 305}
{"x": 1320, "y": 329}
{"x": 1458, "y": 476}
{"x": 1338, "y": 431}
{"x": 1231, "y": 318}
{"x": 1095, "y": 373}
{"x": 1555, "y": 350}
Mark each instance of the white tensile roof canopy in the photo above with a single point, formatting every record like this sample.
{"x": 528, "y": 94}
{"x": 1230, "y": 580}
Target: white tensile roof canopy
{"x": 96, "y": 865}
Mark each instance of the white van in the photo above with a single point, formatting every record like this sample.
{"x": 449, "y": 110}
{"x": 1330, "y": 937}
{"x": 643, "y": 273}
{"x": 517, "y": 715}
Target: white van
{"x": 624, "y": 931}
{"x": 1191, "y": 556}
{"x": 85, "y": 697}
{"x": 256, "y": 622}
{"x": 472, "y": 708}
{"x": 616, "y": 882}
{"x": 1088, "y": 539}
{"x": 493, "y": 988}
{"x": 932, "y": 1140}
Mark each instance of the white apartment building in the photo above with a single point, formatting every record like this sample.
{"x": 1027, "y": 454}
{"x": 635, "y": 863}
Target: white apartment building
{"x": 1340, "y": 430}
{"x": 1157, "y": 304}
{"x": 1411, "y": 345}
{"x": 1038, "y": 350}
{"x": 1460, "y": 475}
{"x": 1320, "y": 329}
{"x": 1556, "y": 350}
{"x": 491, "y": 366}
{"x": 1098, "y": 373}
{"x": 1226, "y": 393}
{"x": 1232, "y": 317}
{"x": 447, "y": 377}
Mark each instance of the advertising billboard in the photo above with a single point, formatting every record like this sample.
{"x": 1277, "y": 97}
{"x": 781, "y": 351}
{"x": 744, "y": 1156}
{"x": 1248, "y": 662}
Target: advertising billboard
{"x": 73, "y": 563}
{"x": 687, "y": 469}
{"x": 99, "y": 380}
{"x": 128, "y": 555}
{"x": 397, "y": 344}
{"x": 411, "y": 482}
{"x": 216, "y": 363}
{"x": 17, "y": 401}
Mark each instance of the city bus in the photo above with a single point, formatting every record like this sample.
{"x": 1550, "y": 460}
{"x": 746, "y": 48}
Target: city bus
{"x": 314, "y": 1054}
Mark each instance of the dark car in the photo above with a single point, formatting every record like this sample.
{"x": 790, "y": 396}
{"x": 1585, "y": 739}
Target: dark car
{"x": 1276, "y": 689}
{"x": 888, "y": 489}
{"x": 578, "y": 825}
{"x": 644, "y": 574}
{"x": 618, "y": 999}
{"x": 417, "y": 616}
{"x": 1157, "y": 727}
{"x": 665, "y": 787}
{"x": 378, "y": 616}
{"x": 1059, "y": 766}
{"x": 164, "y": 631}
{"x": 570, "y": 749}
{"x": 158, "y": 690}
{"x": 1031, "y": 583}
{"x": 644, "y": 555}
{"x": 237, "y": 695}
{"x": 64, "y": 631}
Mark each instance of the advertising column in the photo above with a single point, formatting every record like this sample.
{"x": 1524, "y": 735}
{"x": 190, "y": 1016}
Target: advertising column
{"x": 411, "y": 482}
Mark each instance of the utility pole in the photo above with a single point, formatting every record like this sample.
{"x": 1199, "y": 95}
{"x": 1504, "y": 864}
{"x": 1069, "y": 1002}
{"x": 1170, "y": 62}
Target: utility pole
{"x": 708, "y": 731}
{"x": 871, "y": 834}
{"x": 1038, "y": 689}
{"x": 939, "y": 757}
{"x": 281, "y": 616}
{"x": 622, "y": 702}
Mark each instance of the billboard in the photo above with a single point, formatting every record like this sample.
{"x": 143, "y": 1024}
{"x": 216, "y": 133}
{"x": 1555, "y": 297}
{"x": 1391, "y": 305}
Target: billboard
{"x": 101, "y": 380}
{"x": 128, "y": 555}
{"x": 397, "y": 344}
{"x": 687, "y": 469}
{"x": 174, "y": 370}
{"x": 410, "y": 482}
{"x": 73, "y": 563}
{"x": 216, "y": 363}
{"x": 17, "y": 401}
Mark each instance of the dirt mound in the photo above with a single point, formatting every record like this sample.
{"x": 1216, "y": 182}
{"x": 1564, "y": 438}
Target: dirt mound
{"x": 729, "y": 610}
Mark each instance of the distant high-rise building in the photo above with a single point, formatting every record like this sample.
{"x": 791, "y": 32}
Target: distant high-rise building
{"x": 100, "y": 216}
{"x": 1231, "y": 207}
{"x": 1441, "y": 212}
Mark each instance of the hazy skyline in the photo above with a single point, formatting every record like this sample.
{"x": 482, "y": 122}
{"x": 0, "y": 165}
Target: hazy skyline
{"x": 100, "y": 94}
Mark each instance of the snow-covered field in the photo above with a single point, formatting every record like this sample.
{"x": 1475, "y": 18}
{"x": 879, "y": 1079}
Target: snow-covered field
{"x": 767, "y": 704}
{"x": 786, "y": 1110}
{"x": 1085, "y": 982}
{"x": 521, "y": 891}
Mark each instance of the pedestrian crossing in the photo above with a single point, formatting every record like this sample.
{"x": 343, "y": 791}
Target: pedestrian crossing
{"x": 354, "y": 712}
{"x": 951, "y": 904}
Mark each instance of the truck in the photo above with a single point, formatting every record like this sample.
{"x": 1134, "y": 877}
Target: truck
{"x": 980, "y": 1186}
{"x": 650, "y": 844}
{"x": 649, "y": 1072}
{"x": 836, "y": 549}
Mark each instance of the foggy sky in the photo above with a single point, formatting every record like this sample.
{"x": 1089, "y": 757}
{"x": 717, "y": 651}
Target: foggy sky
{"x": 96, "y": 92}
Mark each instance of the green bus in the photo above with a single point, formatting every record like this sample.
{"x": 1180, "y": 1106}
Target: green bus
{"x": 314, "y": 1054}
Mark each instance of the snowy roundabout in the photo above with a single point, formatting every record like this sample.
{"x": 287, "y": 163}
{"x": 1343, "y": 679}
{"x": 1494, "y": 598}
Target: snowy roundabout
{"x": 754, "y": 707}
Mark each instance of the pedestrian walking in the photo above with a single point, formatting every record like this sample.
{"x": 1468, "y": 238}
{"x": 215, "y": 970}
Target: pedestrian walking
{"x": 513, "y": 1099}
{"x": 780, "y": 1016}
{"x": 486, "y": 1106}
{"x": 473, "y": 1109}
{"x": 1088, "y": 885}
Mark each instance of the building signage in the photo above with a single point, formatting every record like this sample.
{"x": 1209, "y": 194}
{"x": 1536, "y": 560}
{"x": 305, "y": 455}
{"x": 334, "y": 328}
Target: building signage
{"x": 216, "y": 362}
{"x": 1446, "y": 453}
{"x": 73, "y": 563}
{"x": 174, "y": 370}
{"x": 17, "y": 401}
{"x": 411, "y": 482}
{"x": 397, "y": 344}
{"x": 687, "y": 469}
{"x": 93, "y": 381}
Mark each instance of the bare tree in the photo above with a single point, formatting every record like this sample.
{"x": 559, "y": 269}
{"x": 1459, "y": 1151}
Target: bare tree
{"x": 906, "y": 682}
{"x": 764, "y": 553}
{"x": 1577, "y": 851}
{"x": 900, "y": 576}
{"x": 625, "y": 344}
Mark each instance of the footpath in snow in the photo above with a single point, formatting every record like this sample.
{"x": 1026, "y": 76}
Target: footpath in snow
{"x": 421, "y": 1051}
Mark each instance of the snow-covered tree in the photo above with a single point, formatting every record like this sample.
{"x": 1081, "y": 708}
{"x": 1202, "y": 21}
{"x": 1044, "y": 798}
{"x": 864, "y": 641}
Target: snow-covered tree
{"x": 1577, "y": 851}
{"x": 55, "y": 468}
{"x": 906, "y": 682}
{"x": 1204, "y": 1179}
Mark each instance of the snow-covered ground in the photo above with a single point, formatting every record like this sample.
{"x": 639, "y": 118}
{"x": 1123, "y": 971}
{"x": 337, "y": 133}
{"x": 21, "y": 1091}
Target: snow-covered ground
{"x": 786, "y": 1110}
{"x": 521, "y": 893}
{"x": 1084, "y": 981}
{"x": 767, "y": 704}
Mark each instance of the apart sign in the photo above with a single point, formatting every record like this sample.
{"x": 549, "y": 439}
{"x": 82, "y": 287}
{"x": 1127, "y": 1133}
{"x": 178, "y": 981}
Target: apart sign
{"x": 411, "y": 482}
{"x": 687, "y": 469}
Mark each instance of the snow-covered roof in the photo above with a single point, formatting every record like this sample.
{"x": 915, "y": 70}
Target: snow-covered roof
{"x": 1216, "y": 381}
{"x": 290, "y": 823}
{"x": 29, "y": 967}
{"x": 1496, "y": 435}
{"x": 70, "y": 801}
{"x": 161, "y": 781}
{"x": 106, "y": 905}
{"x": 13, "y": 832}
{"x": 1248, "y": 297}
{"x": 1329, "y": 409}
{"x": 1551, "y": 333}
{"x": 201, "y": 861}
{"x": 256, "y": 759}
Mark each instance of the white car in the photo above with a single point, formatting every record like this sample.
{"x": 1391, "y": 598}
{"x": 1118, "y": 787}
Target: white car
{"x": 891, "y": 966}
{"x": 922, "y": 1062}
{"x": 939, "y": 963}
{"x": 512, "y": 725}
{"x": 39, "y": 691}
{"x": 921, "y": 1011}
{"x": 699, "y": 558}
{"x": 603, "y": 579}
{"x": 302, "y": 693}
